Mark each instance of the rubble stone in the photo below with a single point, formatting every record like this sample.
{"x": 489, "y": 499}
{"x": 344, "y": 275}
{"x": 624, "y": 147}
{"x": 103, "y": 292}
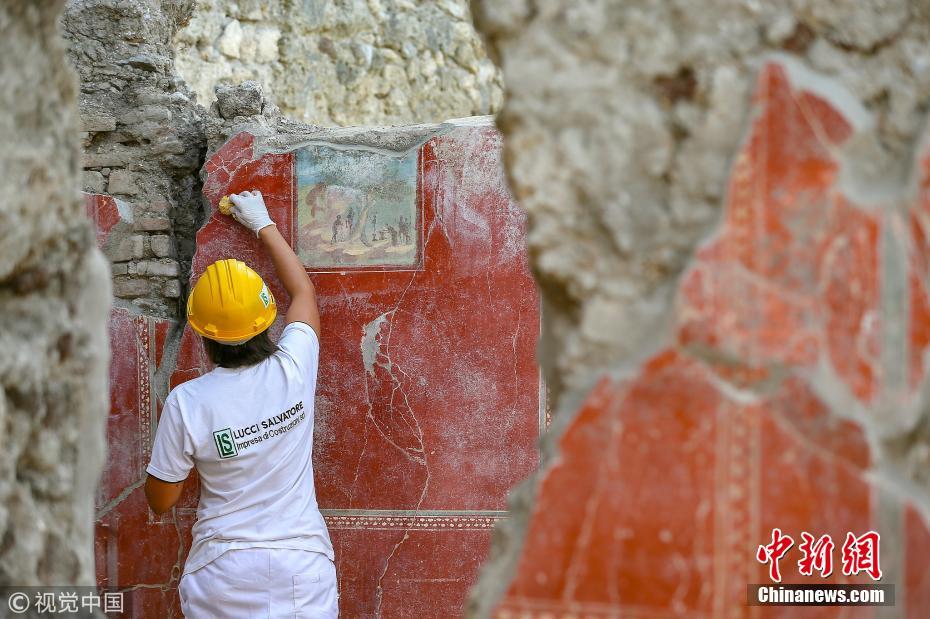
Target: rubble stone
{"x": 171, "y": 289}
{"x": 145, "y": 132}
{"x": 93, "y": 181}
{"x": 161, "y": 245}
{"x": 56, "y": 296}
{"x": 231, "y": 39}
{"x": 131, "y": 287}
{"x": 243, "y": 99}
{"x": 122, "y": 182}
{"x": 378, "y": 63}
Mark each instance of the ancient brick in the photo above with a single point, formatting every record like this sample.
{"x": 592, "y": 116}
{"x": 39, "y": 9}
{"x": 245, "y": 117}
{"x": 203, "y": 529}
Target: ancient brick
{"x": 108, "y": 157}
{"x": 93, "y": 182}
{"x": 171, "y": 289}
{"x": 154, "y": 267}
{"x": 158, "y": 207}
{"x": 129, "y": 288}
{"x": 161, "y": 245}
{"x": 123, "y": 182}
{"x": 153, "y": 224}
{"x": 96, "y": 121}
{"x": 128, "y": 248}
{"x": 148, "y": 62}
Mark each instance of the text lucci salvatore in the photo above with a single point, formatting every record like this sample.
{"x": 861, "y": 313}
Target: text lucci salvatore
{"x": 255, "y": 428}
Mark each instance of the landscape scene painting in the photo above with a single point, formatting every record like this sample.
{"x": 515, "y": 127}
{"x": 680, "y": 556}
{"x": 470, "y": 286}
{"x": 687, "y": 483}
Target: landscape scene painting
{"x": 356, "y": 208}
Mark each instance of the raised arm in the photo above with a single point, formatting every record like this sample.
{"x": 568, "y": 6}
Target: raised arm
{"x": 249, "y": 210}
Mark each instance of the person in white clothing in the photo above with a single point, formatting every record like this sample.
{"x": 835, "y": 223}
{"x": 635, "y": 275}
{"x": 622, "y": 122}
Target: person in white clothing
{"x": 260, "y": 545}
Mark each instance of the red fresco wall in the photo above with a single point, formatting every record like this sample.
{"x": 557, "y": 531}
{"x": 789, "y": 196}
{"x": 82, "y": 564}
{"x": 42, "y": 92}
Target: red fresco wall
{"x": 428, "y": 401}
{"x": 136, "y": 551}
{"x": 668, "y": 482}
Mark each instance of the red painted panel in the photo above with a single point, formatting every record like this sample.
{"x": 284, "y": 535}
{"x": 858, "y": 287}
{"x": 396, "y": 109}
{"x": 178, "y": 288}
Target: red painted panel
{"x": 427, "y": 572}
{"x": 135, "y": 550}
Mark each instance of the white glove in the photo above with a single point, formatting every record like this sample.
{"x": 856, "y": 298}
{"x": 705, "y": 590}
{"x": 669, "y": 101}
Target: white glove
{"x": 249, "y": 210}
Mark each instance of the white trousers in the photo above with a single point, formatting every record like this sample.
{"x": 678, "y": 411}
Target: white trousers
{"x": 258, "y": 583}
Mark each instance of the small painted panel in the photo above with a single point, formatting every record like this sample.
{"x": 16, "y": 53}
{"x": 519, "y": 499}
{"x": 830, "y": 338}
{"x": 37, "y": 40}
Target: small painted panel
{"x": 356, "y": 207}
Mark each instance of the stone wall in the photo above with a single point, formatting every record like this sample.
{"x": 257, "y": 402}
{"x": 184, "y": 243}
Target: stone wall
{"x": 54, "y": 295}
{"x": 143, "y": 128}
{"x": 786, "y": 141}
{"x": 344, "y": 63}
{"x": 143, "y": 142}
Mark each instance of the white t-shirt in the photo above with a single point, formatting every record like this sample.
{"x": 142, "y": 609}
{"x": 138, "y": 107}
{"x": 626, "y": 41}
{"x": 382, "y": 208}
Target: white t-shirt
{"x": 249, "y": 432}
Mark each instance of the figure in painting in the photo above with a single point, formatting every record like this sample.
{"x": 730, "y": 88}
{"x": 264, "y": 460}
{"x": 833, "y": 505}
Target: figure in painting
{"x": 350, "y": 219}
{"x": 404, "y": 228}
{"x": 336, "y": 226}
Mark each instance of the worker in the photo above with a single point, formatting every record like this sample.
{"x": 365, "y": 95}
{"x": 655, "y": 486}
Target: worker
{"x": 260, "y": 546}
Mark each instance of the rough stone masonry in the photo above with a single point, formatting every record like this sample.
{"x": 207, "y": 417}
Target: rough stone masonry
{"x": 54, "y": 296}
{"x": 622, "y": 156}
{"x": 143, "y": 141}
{"x": 355, "y": 62}
{"x": 143, "y": 127}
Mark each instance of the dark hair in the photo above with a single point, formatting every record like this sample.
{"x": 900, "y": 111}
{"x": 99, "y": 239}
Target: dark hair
{"x": 242, "y": 355}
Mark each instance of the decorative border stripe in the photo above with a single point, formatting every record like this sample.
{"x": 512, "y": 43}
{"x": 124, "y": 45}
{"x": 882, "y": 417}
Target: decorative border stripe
{"x": 391, "y": 520}
{"x": 145, "y": 363}
{"x": 515, "y": 607}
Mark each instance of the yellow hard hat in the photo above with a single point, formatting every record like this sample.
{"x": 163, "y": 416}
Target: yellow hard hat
{"x": 230, "y": 303}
